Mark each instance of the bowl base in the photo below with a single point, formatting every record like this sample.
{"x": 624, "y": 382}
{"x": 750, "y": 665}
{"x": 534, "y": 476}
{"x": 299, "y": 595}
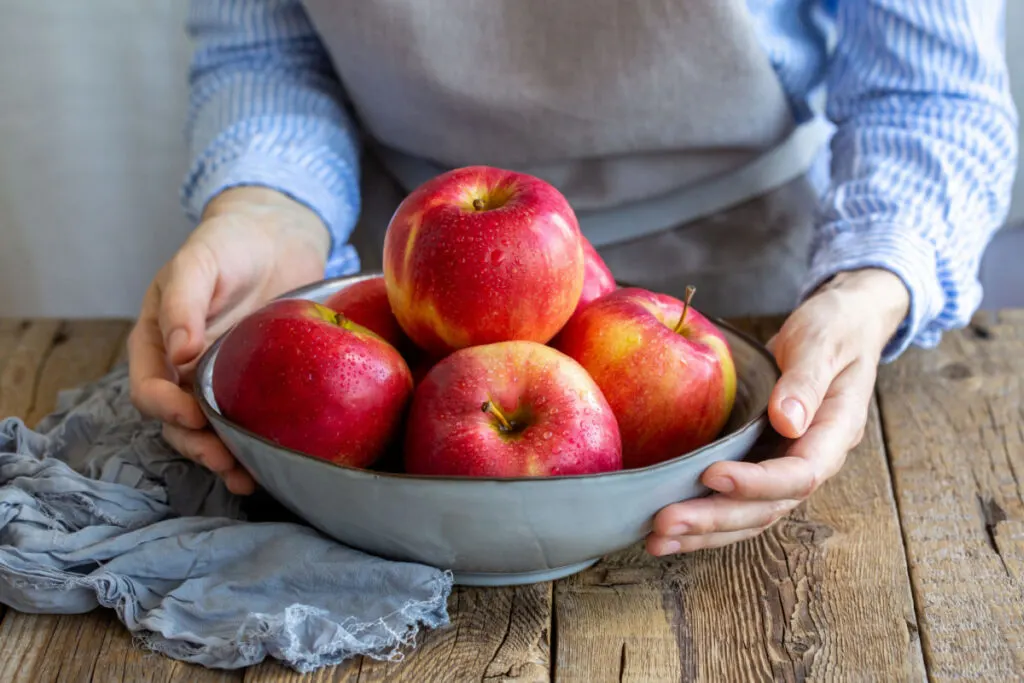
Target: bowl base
{"x": 519, "y": 578}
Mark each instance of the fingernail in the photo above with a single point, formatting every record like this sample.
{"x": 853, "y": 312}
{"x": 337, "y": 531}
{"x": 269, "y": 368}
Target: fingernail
{"x": 722, "y": 484}
{"x": 671, "y": 547}
{"x": 679, "y": 530}
{"x": 794, "y": 412}
{"x": 177, "y": 341}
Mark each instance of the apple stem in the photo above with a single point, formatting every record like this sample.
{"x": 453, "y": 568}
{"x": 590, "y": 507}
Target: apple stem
{"x": 479, "y": 204}
{"x": 489, "y": 407}
{"x": 690, "y": 290}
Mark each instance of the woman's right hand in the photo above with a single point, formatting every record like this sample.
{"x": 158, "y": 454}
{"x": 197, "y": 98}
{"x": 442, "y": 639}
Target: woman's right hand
{"x": 251, "y": 245}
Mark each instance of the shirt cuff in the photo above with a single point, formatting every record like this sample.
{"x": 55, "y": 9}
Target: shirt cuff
{"x": 332, "y": 195}
{"x": 910, "y": 257}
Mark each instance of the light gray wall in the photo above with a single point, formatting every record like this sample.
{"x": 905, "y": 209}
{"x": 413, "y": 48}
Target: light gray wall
{"x": 92, "y": 98}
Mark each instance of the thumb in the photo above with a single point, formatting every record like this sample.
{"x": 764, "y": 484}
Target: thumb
{"x": 185, "y": 301}
{"x": 809, "y": 363}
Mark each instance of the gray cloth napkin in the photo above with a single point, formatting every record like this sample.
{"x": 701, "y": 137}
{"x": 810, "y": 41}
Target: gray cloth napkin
{"x": 96, "y": 509}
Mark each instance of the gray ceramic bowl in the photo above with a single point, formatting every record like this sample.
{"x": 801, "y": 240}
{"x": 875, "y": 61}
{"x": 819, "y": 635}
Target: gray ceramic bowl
{"x": 491, "y": 531}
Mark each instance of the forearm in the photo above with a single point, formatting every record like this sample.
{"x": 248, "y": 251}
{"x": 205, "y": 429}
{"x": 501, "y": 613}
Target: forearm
{"x": 923, "y": 156}
{"x": 266, "y": 109}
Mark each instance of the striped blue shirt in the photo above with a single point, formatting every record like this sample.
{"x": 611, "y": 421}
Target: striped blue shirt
{"x": 922, "y": 159}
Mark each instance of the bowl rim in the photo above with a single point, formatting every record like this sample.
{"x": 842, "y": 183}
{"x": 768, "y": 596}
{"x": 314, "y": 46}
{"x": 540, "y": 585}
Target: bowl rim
{"x": 757, "y": 422}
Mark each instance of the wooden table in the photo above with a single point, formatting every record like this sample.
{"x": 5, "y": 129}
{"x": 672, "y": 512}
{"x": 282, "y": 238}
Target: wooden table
{"x": 908, "y": 564}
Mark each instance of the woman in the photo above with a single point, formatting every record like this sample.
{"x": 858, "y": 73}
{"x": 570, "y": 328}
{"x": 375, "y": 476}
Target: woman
{"x": 685, "y": 134}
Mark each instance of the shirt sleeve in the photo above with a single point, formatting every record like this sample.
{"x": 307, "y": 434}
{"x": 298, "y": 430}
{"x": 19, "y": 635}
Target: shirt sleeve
{"x": 266, "y": 108}
{"x": 924, "y": 153}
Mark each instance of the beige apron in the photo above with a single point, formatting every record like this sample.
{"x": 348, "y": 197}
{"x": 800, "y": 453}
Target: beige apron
{"x": 663, "y": 123}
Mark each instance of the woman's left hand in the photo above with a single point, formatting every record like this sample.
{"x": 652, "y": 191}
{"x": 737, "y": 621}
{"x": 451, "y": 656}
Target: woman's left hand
{"x": 828, "y": 350}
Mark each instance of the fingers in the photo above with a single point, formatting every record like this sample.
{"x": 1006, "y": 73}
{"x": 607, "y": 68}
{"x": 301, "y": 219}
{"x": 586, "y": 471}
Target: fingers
{"x": 838, "y": 427}
{"x": 201, "y": 447}
{"x": 657, "y": 545}
{"x": 716, "y": 514}
{"x": 206, "y": 449}
{"x": 151, "y": 379}
{"x": 239, "y": 482}
{"x": 185, "y": 300}
{"x": 712, "y": 522}
{"x": 810, "y": 355}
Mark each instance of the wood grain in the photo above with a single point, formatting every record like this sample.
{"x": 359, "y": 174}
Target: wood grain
{"x": 823, "y": 595}
{"x": 10, "y": 333}
{"x": 119, "y": 658}
{"x": 953, "y": 420}
{"x": 39, "y": 358}
{"x": 81, "y": 351}
{"x": 42, "y": 358}
{"x": 24, "y": 362}
{"x": 23, "y": 643}
{"x": 498, "y": 634}
{"x": 86, "y": 647}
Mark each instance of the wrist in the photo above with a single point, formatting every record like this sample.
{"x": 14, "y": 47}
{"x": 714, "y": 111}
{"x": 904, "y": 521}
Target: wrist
{"x": 252, "y": 198}
{"x": 265, "y": 203}
{"x": 879, "y": 291}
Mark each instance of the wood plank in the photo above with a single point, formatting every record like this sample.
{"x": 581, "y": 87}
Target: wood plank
{"x": 23, "y": 644}
{"x": 86, "y": 647}
{"x": 10, "y": 333}
{"x": 82, "y": 351}
{"x": 47, "y": 357}
{"x": 497, "y": 634}
{"x": 20, "y": 374}
{"x": 121, "y": 659}
{"x": 38, "y": 358}
{"x": 952, "y": 419}
{"x": 824, "y": 594}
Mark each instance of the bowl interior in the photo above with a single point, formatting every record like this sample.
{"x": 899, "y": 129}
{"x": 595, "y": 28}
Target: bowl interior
{"x": 755, "y": 367}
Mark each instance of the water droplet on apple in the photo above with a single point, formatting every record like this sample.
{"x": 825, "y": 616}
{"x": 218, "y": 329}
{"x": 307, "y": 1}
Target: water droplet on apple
{"x": 546, "y": 435}
{"x": 497, "y": 256}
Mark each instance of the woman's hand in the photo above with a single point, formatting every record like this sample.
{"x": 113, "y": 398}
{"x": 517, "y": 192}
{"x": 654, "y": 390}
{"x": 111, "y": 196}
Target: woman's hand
{"x": 251, "y": 245}
{"x": 828, "y": 351}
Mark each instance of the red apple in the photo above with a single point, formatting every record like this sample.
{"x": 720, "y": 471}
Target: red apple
{"x": 366, "y": 303}
{"x": 666, "y": 370}
{"x": 597, "y": 277}
{"x": 597, "y": 281}
{"x": 304, "y": 377}
{"x": 510, "y": 409}
{"x": 480, "y": 255}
